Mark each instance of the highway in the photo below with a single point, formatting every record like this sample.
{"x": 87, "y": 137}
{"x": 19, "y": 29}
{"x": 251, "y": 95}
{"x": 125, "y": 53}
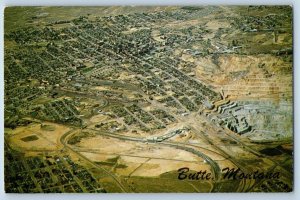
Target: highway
{"x": 189, "y": 148}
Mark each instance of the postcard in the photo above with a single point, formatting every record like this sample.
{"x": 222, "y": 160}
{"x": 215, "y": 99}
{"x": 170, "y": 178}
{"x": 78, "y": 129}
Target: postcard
{"x": 148, "y": 99}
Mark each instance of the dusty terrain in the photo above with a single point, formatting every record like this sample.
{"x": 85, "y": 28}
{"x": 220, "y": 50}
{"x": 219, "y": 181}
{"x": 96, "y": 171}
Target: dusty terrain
{"x": 118, "y": 99}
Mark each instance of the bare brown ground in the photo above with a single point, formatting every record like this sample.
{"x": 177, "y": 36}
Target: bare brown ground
{"x": 48, "y": 140}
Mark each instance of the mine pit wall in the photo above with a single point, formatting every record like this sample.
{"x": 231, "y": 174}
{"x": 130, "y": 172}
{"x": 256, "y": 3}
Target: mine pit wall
{"x": 265, "y": 118}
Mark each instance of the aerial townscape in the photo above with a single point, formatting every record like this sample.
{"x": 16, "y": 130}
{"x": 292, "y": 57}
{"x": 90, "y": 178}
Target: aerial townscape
{"x": 118, "y": 99}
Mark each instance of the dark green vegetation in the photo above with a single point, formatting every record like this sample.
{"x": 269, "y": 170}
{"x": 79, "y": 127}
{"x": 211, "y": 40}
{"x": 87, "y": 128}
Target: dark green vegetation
{"x": 30, "y": 138}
